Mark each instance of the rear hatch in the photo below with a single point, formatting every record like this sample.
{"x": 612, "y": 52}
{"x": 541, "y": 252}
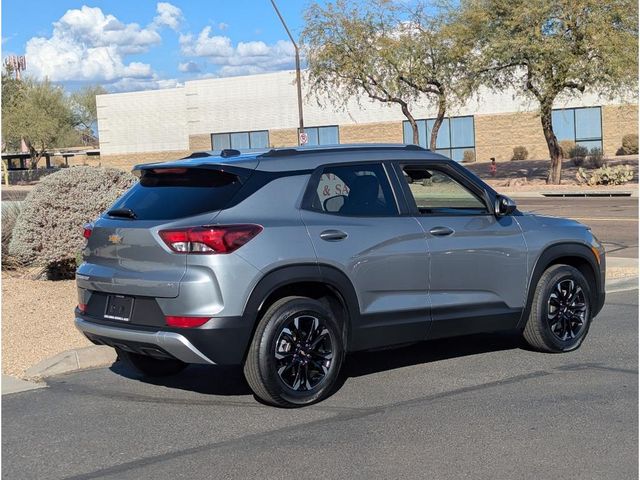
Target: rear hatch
{"x": 125, "y": 254}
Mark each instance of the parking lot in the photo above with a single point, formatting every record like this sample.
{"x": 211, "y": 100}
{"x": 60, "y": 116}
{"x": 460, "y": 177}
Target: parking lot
{"x": 474, "y": 407}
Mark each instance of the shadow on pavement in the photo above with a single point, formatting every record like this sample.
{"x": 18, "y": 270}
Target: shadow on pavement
{"x": 229, "y": 380}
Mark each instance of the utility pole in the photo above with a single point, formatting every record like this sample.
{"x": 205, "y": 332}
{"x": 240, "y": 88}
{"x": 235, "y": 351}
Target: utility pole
{"x": 298, "y": 82}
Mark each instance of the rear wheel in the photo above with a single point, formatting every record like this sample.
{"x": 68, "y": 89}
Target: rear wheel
{"x": 149, "y": 366}
{"x": 296, "y": 353}
{"x": 560, "y": 312}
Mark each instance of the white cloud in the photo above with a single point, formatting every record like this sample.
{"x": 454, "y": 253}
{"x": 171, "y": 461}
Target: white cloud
{"x": 188, "y": 67}
{"x": 168, "y": 15}
{"x": 89, "y": 45}
{"x": 153, "y": 83}
{"x": 243, "y": 59}
{"x": 223, "y": 26}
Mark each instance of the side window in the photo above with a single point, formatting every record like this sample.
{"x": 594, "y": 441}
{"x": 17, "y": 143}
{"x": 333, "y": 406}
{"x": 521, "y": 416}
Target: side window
{"x": 437, "y": 193}
{"x": 354, "y": 190}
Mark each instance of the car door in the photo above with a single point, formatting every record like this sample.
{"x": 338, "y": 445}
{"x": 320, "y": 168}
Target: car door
{"x": 353, "y": 217}
{"x": 478, "y": 267}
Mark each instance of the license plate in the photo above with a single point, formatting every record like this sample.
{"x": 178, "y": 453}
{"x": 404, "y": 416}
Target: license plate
{"x": 119, "y": 307}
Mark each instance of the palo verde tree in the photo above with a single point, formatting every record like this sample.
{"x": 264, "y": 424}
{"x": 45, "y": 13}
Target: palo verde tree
{"x": 434, "y": 60}
{"x": 552, "y": 48}
{"x": 38, "y": 112}
{"x": 348, "y": 47}
{"x": 83, "y": 105}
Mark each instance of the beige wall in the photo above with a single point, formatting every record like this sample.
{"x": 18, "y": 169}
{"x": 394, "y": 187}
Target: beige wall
{"x": 127, "y": 161}
{"x": 200, "y": 142}
{"x": 617, "y": 121}
{"x": 496, "y": 135}
{"x": 384, "y": 132}
{"x": 283, "y": 137}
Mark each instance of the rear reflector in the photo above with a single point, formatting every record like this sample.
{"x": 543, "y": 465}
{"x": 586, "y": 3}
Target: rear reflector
{"x": 87, "y": 229}
{"x": 210, "y": 239}
{"x": 186, "y": 322}
{"x": 82, "y": 307}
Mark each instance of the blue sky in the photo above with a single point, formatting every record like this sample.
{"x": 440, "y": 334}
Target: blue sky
{"x": 139, "y": 44}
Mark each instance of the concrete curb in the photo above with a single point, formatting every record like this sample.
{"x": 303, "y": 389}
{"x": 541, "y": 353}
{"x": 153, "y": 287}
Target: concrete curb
{"x": 621, "y": 284}
{"x": 12, "y": 384}
{"x": 72, "y": 361}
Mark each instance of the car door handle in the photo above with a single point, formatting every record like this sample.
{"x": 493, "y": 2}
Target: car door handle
{"x": 333, "y": 235}
{"x": 441, "y": 231}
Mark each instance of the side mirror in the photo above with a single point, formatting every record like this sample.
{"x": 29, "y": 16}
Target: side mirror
{"x": 504, "y": 206}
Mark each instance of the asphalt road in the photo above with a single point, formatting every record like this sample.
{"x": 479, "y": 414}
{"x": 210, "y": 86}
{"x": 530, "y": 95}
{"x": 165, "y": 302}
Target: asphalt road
{"x": 475, "y": 407}
{"x": 613, "y": 220}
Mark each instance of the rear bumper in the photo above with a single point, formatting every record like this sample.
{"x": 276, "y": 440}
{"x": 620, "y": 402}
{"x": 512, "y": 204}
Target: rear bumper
{"x": 174, "y": 344}
{"x": 221, "y": 341}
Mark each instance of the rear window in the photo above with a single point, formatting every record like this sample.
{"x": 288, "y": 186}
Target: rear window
{"x": 171, "y": 193}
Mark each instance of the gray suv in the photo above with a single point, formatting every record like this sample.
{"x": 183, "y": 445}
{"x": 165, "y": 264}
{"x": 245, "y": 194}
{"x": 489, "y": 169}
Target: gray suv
{"x": 285, "y": 260}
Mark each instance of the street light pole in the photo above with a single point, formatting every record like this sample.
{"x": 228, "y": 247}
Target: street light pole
{"x": 298, "y": 82}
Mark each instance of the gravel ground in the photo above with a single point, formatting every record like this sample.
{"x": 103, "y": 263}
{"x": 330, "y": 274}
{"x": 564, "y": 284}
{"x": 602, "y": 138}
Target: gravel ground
{"x": 37, "y": 321}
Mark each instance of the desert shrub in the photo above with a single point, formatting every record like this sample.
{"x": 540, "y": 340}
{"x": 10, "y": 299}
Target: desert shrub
{"x": 578, "y": 151}
{"x": 596, "y": 157}
{"x": 10, "y": 213}
{"x": 617, "y": 175}
{"x": 48, "y": 231}
{"x": 468, "y": 156}
{"x": 629, "y": 145}
{"x": 566, "y": 147}
{"x": 520, "y": 153}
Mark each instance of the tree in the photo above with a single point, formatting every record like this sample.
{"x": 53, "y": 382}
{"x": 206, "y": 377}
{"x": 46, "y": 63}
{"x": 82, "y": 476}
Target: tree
{"x": 38, "y": 112}
{"x": 348, "y": 48}
{"x": 83, "y": 104}
{"x": 434, "y": 60}
{"x": 549, "y": 48}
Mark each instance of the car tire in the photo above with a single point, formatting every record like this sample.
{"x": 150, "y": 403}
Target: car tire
{"x": 296, "y": 353}
{"x": 148, "y": 366}
{"x": 560, "y": 313}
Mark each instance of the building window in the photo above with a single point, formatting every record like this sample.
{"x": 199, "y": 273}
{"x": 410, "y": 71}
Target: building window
{"x": 240, "y": 140}
{"x": 322, "y": 135}
{"x": 580, "y": 125}
{"x": 456, "y": 135}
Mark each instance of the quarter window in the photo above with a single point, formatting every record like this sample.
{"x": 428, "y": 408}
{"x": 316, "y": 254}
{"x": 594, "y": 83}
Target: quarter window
{"x": 354, "y": 190}
{"x": 240, "y": 140}
{"x": 437, "y": 193}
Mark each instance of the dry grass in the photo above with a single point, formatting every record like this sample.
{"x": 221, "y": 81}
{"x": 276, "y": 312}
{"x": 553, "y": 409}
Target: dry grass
{"x": 37, "y": 321}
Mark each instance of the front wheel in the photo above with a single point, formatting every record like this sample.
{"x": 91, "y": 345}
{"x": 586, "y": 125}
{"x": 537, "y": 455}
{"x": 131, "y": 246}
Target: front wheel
{"x": 296, "y": 353}
{"x": 560, "y": 313}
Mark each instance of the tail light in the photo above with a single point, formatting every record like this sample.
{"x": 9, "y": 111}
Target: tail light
{"x": 210, "y": 239}
{"x": 82, "y": 307}
{"x": 186, "y": 322}
{"x": 87, "y": 229}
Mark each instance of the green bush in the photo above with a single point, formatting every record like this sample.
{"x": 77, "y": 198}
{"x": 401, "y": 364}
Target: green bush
{"x": 48, "y": 231}
{"x": 566, "y": 147}
{"x": 618, "y": 175}
{"x": 468, "y": 156}
{"x": 10, "y": 213}
{"x": 596, "y": 157}
{"x": 520, "y": 153}
{"x": 629, "y": 145}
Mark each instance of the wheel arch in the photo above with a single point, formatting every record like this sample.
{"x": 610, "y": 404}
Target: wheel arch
{"x": 577, "y": 255}
{"x": 312, "y": 280}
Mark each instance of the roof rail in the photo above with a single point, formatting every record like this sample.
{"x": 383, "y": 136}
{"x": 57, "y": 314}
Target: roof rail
{"x": 283, "y": 152}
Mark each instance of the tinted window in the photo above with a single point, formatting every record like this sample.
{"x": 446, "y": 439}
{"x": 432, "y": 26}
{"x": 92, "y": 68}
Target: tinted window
{"x": 437, "y": 193}
{"x": 322, "y": 135}
{"x": 166, "y": 194}
{"x": 354, "y": 190}
{"x": 257, "y": 139}
{"x": 455, "y": 136}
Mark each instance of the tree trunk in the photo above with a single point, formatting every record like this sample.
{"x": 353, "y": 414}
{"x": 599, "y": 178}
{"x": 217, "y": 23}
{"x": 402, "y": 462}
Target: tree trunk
{"x": 35, "y": 157}
{"x": 412, "y": 122}
{"x": 442, "y": 109}
{"x": 555, "y": 169}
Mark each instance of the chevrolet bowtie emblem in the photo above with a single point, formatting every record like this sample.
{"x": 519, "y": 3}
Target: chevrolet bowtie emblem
{"x": 115, "y": 239}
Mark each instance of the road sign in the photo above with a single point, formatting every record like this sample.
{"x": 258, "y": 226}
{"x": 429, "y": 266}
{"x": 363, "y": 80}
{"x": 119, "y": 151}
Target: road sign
{"x": 304, "y": 138}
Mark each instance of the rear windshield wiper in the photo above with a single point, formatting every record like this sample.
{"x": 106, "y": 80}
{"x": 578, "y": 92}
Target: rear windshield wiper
{"x": 122, "y": 212}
